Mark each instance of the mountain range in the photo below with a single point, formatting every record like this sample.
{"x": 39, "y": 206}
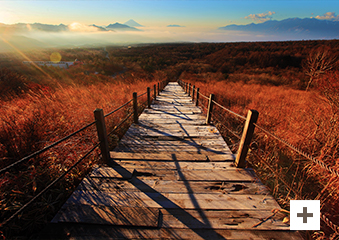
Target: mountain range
{"x": 307, "y": 28}
{"x": 133, "y": 23}
{"x": 25, "y": 27}
{"x": 122, "y": 27}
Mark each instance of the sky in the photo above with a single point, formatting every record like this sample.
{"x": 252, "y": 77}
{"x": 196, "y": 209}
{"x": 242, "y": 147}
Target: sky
{"x": 160, "y": 13}
{"x": 199, "y": 20}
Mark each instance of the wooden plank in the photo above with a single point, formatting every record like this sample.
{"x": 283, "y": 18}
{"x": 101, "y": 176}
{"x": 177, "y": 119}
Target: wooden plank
{"x": 86, "y": 231}
{"x": 112, "y": 215}
{"x": 191, "y": 117}
{"x": 222, "y": 219}
{"x": 181, "y": 166}
{"x": 141, "y": 164}
{"x": 174, "y": 111}
{"x": 174, "y": 200}
{"x": 170, "y": 141}
{"x": 128, "y": 136}
{"x": 128, "y": 173}
{"x": 175, "y": 150}
{"x": 171, "y": 156}
{"x": 172, "y": 186}
{"x": 108, "y": 172}
{"x": 215, "y": 175}
{"x": 176, "y": 127}
{"x": 178, "y": 174}
{"x": 177, "y": 121}
{"x": 178, "y": 144}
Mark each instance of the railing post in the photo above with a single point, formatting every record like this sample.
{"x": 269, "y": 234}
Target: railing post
{"x": 252, "y": 117}
{"x": 185, "y": 87}
{"x": 197, "y": 98}
{"x": 155, "y": 91}
{"x": 189, "y": 90}
{"x": 135, "y": 107}
{"x": 148, "y": 97}
{"x": 102, "y": 134}
{"x": 210, "y": 108}
{"x": 158, "y": 88}
{"x": 193, "y": 93}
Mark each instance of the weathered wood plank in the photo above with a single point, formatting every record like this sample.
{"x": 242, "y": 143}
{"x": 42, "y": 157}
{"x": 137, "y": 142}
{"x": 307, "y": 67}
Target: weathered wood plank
{"x": 112, "y": 215}
{"x": 171, "y": 138}
{"x": 174, "y": 142}
{"x": 155, "y": 149}
{"x": 174, "y": 162}
{"x": 174, "y": 200}
{"x": 171, "y": 156}
{"x": 141, "y": 164}
{"x": 159, "y": 121}
{"x": 128, "y": 173}
{"x": 86, "y": 231}
{"x": 178, "y": 174}
{"x": 222, "y": 219}
{"x": 170, "y": 186}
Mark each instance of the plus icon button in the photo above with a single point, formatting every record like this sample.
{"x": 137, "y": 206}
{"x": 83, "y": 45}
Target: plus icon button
{"x": 305, "y": 215}
{"x": 300, "y": 219}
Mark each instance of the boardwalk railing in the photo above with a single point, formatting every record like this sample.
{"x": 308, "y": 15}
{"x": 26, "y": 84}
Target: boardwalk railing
{"x": 102, "y": 143}
{"x": 249, "y": 126}
{"x": 246, "y": 142}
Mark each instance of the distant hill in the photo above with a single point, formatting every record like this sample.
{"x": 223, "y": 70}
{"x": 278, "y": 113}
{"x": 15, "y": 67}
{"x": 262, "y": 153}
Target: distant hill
{"x": 308, "y": 27}
{"x": 174, "y": 25}
{"x": 99, "y": 28}
{"x": 132, "y": 23}
{"x": 48, "y": 27}
{"x": 20, "y": 42}
{"x": 19, "y": 27}
{"x": 121, "y": 27}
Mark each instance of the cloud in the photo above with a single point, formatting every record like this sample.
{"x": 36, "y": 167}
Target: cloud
{"x": 261, "y": 17}
{"x": 174, "y": 25}
{"x": 328, "y": 16}
{"x": 78, "y": 27}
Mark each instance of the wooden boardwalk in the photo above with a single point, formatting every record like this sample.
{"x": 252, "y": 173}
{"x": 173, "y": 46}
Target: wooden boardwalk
{"x": 172, "y": 177}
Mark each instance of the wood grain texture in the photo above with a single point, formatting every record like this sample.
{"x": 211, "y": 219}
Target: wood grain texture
{"x": 170, "y": 177}
{"x": 96, "y": 214}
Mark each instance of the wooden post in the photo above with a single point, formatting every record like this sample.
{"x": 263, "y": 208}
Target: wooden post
{"x": 193, "y": 93}
{"x": 102, "y": 134}
{"x": 185, "y": 87}
{"x": 148, "y": 97}
{"x": 210, "y": 108}
{"x": 189, "y": 89}
{"x": 158, "y": 88}
{"x": 155, "y": 91}
{"x": 135, "y": 107}
{"x": 197, "y": 98}
{"x": 252, "y": 117}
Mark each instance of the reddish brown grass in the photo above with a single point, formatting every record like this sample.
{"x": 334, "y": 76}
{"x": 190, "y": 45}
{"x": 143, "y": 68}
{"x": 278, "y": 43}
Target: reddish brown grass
{"x": 307, "y": 120}
{"x": 39, "y": 118}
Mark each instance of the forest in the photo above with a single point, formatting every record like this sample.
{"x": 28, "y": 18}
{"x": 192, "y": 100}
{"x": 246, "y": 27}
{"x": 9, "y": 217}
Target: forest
{"x": 293, "y": 85}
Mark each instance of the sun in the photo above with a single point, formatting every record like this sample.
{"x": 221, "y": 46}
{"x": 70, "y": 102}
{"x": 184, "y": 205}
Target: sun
{"x": 5, "y": 17}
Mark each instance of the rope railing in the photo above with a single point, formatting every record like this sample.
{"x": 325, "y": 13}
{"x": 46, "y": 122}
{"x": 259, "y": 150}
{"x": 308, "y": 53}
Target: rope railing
{"x": 48, "y": 187}
{"x": 117, "y": 109}
{"x": 314, "y": 160}
{"x": 119, "y": 124}
{"x": 204, "y": 96}
{"x": 230, "y": 111}
{"x": 101, "y": 129}
{"x": 142, "y": 94}
{"x": 45, "y": 148}
{"x": 328, "y": 222}
{"x": 335, "y": 172}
